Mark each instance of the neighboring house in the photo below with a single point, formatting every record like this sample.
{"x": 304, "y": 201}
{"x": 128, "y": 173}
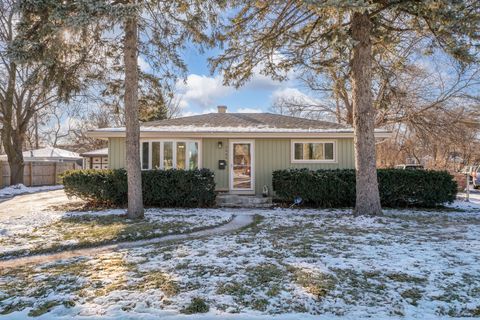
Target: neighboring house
{"x": 42, "y": 166}
{"x": 48, "y": 154}
{"x": 96, "y": 159}
{"x": 242, "y": 149}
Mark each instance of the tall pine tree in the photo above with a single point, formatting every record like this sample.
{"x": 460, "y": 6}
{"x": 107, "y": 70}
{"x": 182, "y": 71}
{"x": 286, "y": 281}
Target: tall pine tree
{"x": 277, "y": 36}
{"x": 156, "y": 29}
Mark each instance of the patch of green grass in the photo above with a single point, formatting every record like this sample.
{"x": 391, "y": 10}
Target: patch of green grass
{"x": 316, "y": 283}
{"x": 274, "y": 290}
{"x": 183, "y": 265}
{"x": 234, "y": 289}
{"x": 412, "y": 295}
{"x": 12, "y": 307}
{"x": 403, "y": 277}
{"x": 357, "y": 284}
{"x": 260, "y": 304}
{"x": 456, "y": 312}
{"x": 43, "y": 308}
{"x": 158, "y": 280}
{"x": 263, "y": 274}
{"x": 197, "y": 305}
{"x": 304, "y": 249}
{"x": 273, "y": 254}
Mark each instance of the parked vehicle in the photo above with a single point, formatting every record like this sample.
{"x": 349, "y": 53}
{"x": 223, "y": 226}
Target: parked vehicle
{"x": 410, "y": 167}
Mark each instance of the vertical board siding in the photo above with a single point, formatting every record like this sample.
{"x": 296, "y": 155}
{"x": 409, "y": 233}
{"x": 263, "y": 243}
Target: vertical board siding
{"x": 270, "y": 155}
{"x": 210, "y": 156}
{"x": 116, "y": 153}
{"x": 275, "y": 154}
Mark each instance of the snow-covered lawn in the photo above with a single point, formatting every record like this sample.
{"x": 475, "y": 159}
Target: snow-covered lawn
{"x": 89, "y": 228}
{"x": 294, "y": 263}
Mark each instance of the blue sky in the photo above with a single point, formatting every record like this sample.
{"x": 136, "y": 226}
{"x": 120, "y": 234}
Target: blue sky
{"x": 202, "y": 91}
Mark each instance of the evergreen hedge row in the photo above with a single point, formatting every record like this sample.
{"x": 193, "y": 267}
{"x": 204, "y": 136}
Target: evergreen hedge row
{"x": 336, "y": 188}
{"x": 161, "y": 188}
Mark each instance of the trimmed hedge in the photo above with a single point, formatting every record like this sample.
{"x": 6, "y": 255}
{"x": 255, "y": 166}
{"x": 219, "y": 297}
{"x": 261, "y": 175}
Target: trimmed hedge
{"x": 161, "y": 188}
{"x": 336, "y": 188}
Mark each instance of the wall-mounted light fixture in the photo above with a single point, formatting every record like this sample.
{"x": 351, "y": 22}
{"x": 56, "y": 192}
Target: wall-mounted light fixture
{"x": 220, "y": 144}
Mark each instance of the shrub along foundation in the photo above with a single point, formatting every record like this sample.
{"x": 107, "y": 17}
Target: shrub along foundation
{"x": 336, "y": 188}
{"x": 161, "y": 188}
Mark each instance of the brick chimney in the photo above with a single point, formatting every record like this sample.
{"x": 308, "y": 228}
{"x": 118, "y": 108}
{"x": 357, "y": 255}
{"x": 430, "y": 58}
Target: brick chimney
{"x": 222, "y": 109}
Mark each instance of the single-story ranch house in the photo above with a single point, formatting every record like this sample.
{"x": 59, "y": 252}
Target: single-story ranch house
{"x": 242, "y": 149}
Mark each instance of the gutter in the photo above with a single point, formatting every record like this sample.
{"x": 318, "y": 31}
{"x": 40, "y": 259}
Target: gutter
{"x": 229, "y": 134}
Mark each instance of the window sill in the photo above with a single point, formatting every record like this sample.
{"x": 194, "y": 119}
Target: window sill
{"x": 313, "y": 161}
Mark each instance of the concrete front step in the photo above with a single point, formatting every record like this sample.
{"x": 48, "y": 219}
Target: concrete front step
{"x": 243, "y": 201}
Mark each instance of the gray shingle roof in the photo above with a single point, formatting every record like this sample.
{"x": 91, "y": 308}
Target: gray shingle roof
{"x": 246, "y": 120}
{"x": 99, "y": 153}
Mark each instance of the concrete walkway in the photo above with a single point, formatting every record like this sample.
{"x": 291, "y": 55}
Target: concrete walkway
{"x": 239, "y": 221}
{"x": 24, "y": 205}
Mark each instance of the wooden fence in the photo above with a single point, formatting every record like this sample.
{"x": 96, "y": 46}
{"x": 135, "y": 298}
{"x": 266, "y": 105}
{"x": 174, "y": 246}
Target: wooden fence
{"x": 38, "y": 173}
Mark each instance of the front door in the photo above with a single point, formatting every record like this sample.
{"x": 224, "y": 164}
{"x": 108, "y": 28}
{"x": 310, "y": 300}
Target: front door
{"x": 242, "y": 177}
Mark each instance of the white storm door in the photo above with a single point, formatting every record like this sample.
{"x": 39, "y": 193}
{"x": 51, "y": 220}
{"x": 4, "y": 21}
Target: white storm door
{"x": 242, "y": 165}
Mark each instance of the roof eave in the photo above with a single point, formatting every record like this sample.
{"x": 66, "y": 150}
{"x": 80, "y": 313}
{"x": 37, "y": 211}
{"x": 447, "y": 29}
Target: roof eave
{"x": 162, "y": 134}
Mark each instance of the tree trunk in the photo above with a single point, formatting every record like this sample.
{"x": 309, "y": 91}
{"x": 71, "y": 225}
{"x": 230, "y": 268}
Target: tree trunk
{"x": 134, "y": 177}
{"x": 368, "y": 198}
{"x": 17, "y": 169}
{"x": 12, "y": 140}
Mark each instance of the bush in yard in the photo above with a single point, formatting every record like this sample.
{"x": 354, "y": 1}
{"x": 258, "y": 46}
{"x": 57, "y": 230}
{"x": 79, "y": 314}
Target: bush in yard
{"x": 336, "y": 188}
{"x": 161, "y": 188}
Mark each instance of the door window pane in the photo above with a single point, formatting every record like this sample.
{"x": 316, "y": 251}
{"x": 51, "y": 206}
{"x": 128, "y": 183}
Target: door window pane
{"x": 155, "y": 155}
{"x": 181, "y": 152}
{"x": 145, "y": 153}
{"x": 168, "y": 155}
{"x": 242, "y": 166}
{"x": 192, "y": 155}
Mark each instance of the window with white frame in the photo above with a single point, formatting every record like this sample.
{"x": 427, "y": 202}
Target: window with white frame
{"x": 314, "y": 151}
{"x": 168, "y": 154}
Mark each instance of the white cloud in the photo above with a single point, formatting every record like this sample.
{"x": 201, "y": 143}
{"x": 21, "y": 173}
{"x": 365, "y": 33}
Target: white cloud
{"x": 144, "y": 66}
{"x": 262, "y": 82}
{"x": 249, "y": 110}
{"x": 206, "y": 91}
{"x": 193, "y": 113}
{"x": 202, "y": 90}
{"x": 189, "y": 114}
{"x": 285, "y": 93}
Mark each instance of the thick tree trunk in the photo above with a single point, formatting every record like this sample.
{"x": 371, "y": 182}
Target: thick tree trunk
{"x": 17, "y": 168}
{"x": 368, "y": 198}
{"x": 134, "y": 177}
{"x": 12, "y": 140}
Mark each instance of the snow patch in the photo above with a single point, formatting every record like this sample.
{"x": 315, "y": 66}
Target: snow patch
{"x": 21, "y": 189}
